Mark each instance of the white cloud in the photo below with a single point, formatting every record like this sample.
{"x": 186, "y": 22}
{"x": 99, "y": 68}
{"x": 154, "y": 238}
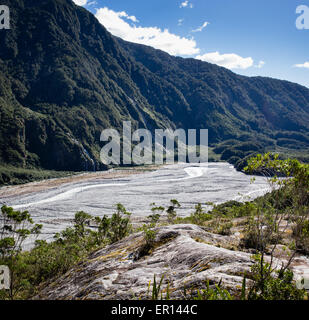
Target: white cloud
{"x": 202, "y": 27}
{"x": 230, "y": 60}
{"x": 260, "y": 65}
{"x": 125, "y": 15}
{"x": 303, "y": 65}
{"x": 180, "y": 22}
{"x": 80, "y": 2}
{"x": 151, "y": 36}
{"x": 186, "y": 4}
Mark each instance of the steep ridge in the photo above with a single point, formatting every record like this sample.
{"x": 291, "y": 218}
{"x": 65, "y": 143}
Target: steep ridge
{"x": 215, "y": 93}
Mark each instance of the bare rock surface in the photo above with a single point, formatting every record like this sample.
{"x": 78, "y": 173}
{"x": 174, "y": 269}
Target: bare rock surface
{"x": 186, "y": 254}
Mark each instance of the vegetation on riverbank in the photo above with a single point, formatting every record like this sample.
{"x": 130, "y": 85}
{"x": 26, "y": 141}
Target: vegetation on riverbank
{"x": 18, "y": 176}
{"x": 10, "y": 175}
{"x": 238, "y": 151}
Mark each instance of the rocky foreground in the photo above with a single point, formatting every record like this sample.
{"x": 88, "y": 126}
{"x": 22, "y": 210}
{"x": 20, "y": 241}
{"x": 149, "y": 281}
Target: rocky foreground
{"x": 185, "y": 254}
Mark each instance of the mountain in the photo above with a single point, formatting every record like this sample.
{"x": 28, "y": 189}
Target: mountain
{"x": 64, "y": 78}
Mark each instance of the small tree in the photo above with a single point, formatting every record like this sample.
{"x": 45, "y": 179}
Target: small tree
{"x": 81, "y": 222}
{"x": 199, "y": 216}
{"x": 171, "y": 210}
{"x": 80, "y": 237}
{"x": 15, "y": 228}
{"x": 120, "y": 225}
{"x": 103, "y": 227}
{"x": 155, "y": 208}
{"x": 149, "y": 232}
{"x": 113, "y": 229}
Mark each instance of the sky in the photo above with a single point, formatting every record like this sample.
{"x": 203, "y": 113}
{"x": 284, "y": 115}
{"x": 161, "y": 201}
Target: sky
{"x": 250, "y": 37}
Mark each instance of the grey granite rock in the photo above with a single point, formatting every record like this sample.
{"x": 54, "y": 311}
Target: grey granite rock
{"x": 186, "y": 255}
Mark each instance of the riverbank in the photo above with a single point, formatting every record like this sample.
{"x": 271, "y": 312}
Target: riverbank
{"x": 14, "y": 176}
{"x": 47, "y": 184}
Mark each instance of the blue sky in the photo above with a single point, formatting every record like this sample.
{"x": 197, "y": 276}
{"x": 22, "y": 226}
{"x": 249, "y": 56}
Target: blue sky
{"x": 250, "y": 37}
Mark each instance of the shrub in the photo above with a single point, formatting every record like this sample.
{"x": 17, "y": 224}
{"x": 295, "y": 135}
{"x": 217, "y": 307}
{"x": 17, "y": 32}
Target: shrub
{"x": 120, "y": 225}
{"x": 225, "y": 228}
{"x": 199, "y": 216}
{"x": 301, "y": 234}
{"x": 149, "y": 235}
{"x": 210, "y": 293}
{"x": 228, "y": 209}
{"x": 262, "y": 229}
{"x": 171, "y": 210}
{"x": 15, "y": 228}
{"x": 269, "y": 284}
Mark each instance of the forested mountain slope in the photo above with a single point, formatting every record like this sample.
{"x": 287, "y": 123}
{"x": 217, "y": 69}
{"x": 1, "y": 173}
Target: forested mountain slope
{"x": 64, "y": 78}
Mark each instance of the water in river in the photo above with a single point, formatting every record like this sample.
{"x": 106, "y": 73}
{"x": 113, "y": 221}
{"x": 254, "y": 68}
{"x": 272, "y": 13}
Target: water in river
{"x": 189, "y": 184}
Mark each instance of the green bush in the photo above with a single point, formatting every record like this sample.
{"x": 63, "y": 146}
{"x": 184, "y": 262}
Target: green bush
{"x": 30, "y": 269}
{"x": 171, "y": 210}
{"x": 210, "y": 293}
{"x": 120, "y": 225}
{"x": 149, "y": 233}
{"x": 199, "y": 216}
{"x": 225, "y": 228}
{"x": 15, "y": 228}
{"x": 301, "y": 234}
{"x": 269, "y": 284}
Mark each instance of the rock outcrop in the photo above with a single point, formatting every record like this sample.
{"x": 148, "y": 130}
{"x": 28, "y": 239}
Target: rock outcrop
{"x": 185, "y": 254}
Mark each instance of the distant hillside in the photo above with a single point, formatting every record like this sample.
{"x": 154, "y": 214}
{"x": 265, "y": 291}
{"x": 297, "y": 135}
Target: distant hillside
{"x": 64, "y": 78}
